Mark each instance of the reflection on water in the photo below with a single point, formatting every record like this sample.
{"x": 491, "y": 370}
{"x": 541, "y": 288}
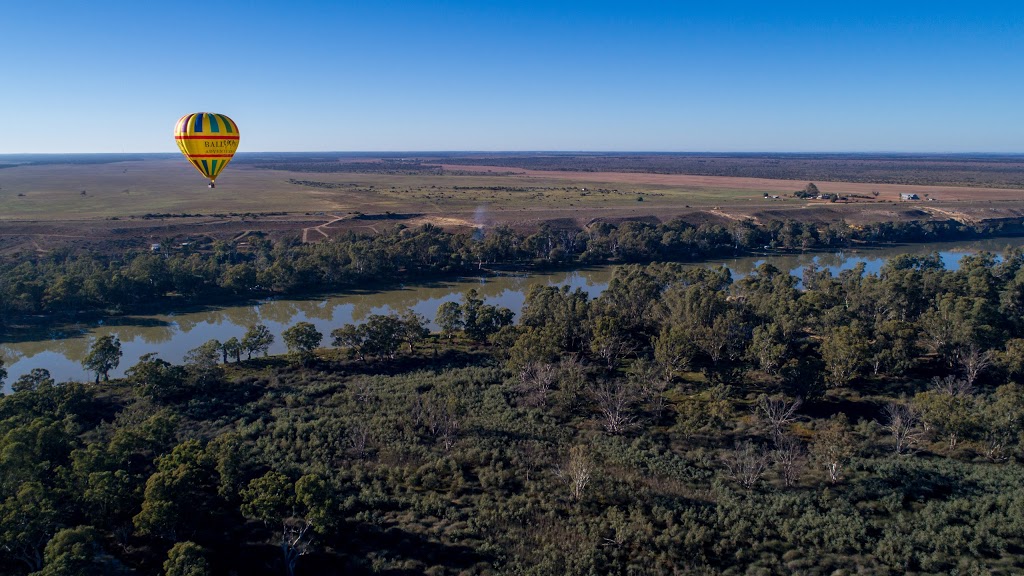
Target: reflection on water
{"x": 172, "y": 335}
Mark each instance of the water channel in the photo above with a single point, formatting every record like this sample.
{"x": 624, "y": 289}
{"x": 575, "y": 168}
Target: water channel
{"x": 172, "y": 335}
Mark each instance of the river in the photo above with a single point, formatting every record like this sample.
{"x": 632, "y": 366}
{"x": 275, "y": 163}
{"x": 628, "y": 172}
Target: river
{"x": 172, "y": 335}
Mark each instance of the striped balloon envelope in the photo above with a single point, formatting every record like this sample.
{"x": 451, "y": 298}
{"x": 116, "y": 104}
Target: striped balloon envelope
{"x": 208, "y": 141}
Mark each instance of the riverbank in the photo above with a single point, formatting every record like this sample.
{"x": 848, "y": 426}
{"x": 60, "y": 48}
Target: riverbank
{"x": 172, "y": 333}
{"x": 48, "y": 292}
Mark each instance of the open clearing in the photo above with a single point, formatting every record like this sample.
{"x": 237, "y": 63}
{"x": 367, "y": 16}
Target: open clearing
{"x": 130, "y": 204}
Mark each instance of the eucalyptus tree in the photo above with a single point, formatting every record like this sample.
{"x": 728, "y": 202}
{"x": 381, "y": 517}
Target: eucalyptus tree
{"x": 302, "y": 339}
{"x": 257, "y": 340}
{"x": 104, "y": 355}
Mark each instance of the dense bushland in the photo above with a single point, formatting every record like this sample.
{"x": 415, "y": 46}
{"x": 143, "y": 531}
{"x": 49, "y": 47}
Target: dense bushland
{"x": 679, "y": 423}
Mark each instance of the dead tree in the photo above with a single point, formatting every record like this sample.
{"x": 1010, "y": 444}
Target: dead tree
{"x": 294, "y": 543}
{"x": 902, "y": 421}
{"x": 973, "y": 362}
{"x": 616, "y": 400}
{"x": 578, "y": 470}
{"x": 651, "y": 380}
{"x": 439, "y": 418}
{"x": 788, "y": 457}
{"x": 746, "y": 464}
{"x": 535, "y": 383}
{"x": 952, "y": 386}
{"x": 776, "y": 412}
{"x": 359, "y": 438}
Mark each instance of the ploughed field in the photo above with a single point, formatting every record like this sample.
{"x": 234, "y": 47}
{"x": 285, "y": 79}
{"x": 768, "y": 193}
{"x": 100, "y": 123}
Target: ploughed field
{"x": 111, "y": 202}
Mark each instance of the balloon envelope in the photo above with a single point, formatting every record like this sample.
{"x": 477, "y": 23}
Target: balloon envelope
{"x": 207, "y": 140}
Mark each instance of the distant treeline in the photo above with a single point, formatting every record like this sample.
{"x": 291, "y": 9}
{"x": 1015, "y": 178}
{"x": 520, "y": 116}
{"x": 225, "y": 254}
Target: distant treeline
{"x": 386, "y": 166}
{"x": 11, "y": 160}
{"x": 71, "y": 282}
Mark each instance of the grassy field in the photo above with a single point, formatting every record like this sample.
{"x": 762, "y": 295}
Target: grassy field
{"x": 135, "y": 188}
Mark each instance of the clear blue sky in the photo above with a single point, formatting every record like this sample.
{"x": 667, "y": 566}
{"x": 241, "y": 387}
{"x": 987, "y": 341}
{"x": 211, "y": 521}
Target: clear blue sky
{"x": 107, "y": 76}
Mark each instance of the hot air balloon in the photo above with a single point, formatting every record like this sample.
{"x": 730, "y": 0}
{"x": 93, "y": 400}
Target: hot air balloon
{"x": 208, "y": 141}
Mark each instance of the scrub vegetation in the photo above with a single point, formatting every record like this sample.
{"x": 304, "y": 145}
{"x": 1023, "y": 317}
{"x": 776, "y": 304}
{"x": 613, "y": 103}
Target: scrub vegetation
{"x": 680, "y": 422}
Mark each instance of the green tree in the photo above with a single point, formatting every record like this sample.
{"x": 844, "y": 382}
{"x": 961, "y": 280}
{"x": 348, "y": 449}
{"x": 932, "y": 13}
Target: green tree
{"x": 239, "y": 278}
{"x": 531, "y": 347}
{"x": 948, "y": 409}
{"x": 232, "y": 348}
{"x": 31, "y": 448}
{"x": 956, "y": 323}
{"x": 203, "y": 362}
{"x": 3, "y": 373}
{"x": 257, "y": 340}
{"x": 894, "y": 349}
{"x": 270, "y": 498}
{"x": 1002, "y": 421}
{"x": 561, "y": 313}
{"x": 352, "y": 337}
{"x": 186, "y": 559}
{"x": 301, "y": 508}
{"x": 768, "y": 348}
{"x": 36, "y": 379}
{"x": 481, "y": 320}
{"x": 181, "y": 496}
{"x": 103, "y": 356}
{"x": 156, "y": 378}
{"x": 28, "y": 516}
{"x": 449, "y": 318}
{"x": 383, "y": 335}
{"x": 414, "y": 329}
{"x": 1012, "y": 358}
{"x": 844, "y": 351}
{"x": 302, "y": 339}
{"x": 608, "y": 342}
{"x": 674, "y": 350}
{"x": 316, "y": 499}
{"x": 110, "y": 497}
{"x": 74, "y": 552}
{"x": 833, "y": 446}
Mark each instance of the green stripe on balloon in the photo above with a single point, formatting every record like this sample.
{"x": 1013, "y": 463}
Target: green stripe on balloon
{"x": 227, "y": 124}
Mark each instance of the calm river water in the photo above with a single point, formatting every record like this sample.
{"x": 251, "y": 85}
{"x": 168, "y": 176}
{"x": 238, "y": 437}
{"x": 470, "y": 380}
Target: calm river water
{"x": 172, "y": 335}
